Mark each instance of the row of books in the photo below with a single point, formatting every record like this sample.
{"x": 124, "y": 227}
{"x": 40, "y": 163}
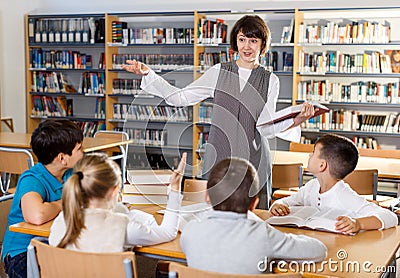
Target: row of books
{"x": 89, "y": 128}
{"x": 130, "y": 86}
{"x": 92, "y": 83}
{"x": 67, "y": 30}
{"x": 287, "y": 32}
{"x": 148, "y": 160}
{"x": 366, "y": 142}
{"x": 155, "y": 61}
{"x": 151, "y": 112}
{"x": 148, "y": 137}
{"x": 269, "y": 60}
{"x": 205, "y": 112}
{"x": 350, "y": 120}
{"x": 49, "y": 106}
{"x": 212, "y": 31}
{"x": 360, "y": 142}
{"x": 361, "y": 91}
{"x": 121, "y": 33}
{"x": 59, "y": 59}
{"x": 203, "y": 140}
{"x": 345, "y": 32}
{"x": 60, "y": 106}
{"x": 337, "y": 62}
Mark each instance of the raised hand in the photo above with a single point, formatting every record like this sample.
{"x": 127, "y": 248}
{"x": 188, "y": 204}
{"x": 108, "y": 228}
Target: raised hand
{"x": 177, "y": 175}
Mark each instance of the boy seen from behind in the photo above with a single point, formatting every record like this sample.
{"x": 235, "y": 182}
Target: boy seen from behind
{"x": 226, "y": 240}
{"x": 335, "y": 157}
{"x": 57, "y": 145}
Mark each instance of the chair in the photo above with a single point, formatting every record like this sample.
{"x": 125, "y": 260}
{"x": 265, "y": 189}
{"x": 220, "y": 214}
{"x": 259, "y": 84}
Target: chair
{"x": 12, "y": 161}
{"x": 287, "y": 175}
{"x": 48, "y": 261}
{"x": 297, "y": 147}
{"x": 364, "y": 182}
{"x": 122, "y": 150}
{"x": 194, "y": 190}
{"x": 182, "y": 271}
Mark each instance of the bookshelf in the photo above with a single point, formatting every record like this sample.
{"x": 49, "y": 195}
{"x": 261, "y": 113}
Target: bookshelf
{"x": 342, "y": 59}
{"x": 63, "y": 77}
{"x": 211, "y": 46}
{"x": 164, "y": 41}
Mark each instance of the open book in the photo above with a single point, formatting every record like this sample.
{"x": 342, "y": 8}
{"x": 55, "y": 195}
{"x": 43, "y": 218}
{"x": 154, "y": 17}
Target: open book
{"x": 289, "y": 112}
{"x": 310, "y": 217}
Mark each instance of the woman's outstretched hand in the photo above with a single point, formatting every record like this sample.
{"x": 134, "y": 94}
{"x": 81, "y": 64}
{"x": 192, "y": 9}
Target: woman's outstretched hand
{"x": 136, "y": 67}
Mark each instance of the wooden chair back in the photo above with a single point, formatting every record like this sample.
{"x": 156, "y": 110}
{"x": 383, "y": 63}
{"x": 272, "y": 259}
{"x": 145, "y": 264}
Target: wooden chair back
{"x": 287, "y": 175}
{"x": 364, "y": 182}
{"x": 194, "y": 190}
{"x": 122, "y": 149}
{"x": 13, "y": 161}
{"x": 379, "y": 153}
{"x": 180, "y": 271}
{"x": 52, "y": 262}
{"x": 297, "y": 147}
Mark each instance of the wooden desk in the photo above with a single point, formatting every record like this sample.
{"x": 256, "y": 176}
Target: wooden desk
{"x": 375, "y": 247}
{"x": 23, "y": 141}
{"x": 388, "y": 168}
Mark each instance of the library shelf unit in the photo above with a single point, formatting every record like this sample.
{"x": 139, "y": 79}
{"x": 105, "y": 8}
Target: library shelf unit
{"x": 63, "y": 77}
{"x": 211, "y": 47}
{"x": 164, "y": 42}
{"x": 342, "y": 58}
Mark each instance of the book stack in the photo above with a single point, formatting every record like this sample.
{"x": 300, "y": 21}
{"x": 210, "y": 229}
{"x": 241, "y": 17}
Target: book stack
{"x": 146, "y": 187}
{"x": 118, "y": 28}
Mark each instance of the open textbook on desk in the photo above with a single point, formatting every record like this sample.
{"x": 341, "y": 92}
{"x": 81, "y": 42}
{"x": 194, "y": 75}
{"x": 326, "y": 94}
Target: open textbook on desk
{"x": 289, "y": 112}
{"x": 310, "y": 217}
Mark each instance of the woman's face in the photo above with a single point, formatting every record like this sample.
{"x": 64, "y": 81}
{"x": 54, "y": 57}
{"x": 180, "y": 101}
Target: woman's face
{"x": 249, "y": 48}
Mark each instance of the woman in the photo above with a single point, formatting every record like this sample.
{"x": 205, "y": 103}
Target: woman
{"x": 242, "y": 91}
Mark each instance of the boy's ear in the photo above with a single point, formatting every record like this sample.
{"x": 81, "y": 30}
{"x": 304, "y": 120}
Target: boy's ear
{"x": 254, "y": 203}
{"x": 61, "y": 158}
{"x": 323, "y": 166}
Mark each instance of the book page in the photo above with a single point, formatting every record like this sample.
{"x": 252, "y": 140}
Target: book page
{"x": 326, "y": 219}
{"x": 297, "y": 216}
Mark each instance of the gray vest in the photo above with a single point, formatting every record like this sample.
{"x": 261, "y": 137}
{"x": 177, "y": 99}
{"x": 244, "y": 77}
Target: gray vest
{"x": 233, "y": 131}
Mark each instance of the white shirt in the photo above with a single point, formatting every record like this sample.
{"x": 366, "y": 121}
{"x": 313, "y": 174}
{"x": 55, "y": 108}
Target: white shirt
{"x": 340, "y": 196}
{"x": 204, "y": 87}
{"x": 109, "y": 231}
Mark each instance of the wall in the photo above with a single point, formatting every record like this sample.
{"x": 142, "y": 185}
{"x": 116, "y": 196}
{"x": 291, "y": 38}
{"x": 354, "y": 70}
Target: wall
{"x": 12, "y": 57}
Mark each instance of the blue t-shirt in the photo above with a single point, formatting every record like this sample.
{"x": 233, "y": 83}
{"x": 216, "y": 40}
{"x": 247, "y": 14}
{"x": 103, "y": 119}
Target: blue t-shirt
{"x": 37, "y": 179}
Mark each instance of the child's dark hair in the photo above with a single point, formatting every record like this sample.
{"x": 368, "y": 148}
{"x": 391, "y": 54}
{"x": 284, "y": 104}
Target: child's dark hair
{"x": 232, "y": 185}
{"x": 252, "y": 26}
{"x": 52, "y": 137}
{"x": 340, "y": 153}
{"x": 93, "y": 178}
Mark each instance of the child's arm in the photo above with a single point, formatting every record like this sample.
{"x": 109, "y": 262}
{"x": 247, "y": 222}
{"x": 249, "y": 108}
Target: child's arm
{"x": 146, "y": 231}
{"x": 36, "y": 211}
{"x": 348, "y": 225}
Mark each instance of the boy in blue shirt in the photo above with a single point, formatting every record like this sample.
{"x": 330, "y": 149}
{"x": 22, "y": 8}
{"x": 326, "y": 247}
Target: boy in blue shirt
{"x": 57, "y": 145}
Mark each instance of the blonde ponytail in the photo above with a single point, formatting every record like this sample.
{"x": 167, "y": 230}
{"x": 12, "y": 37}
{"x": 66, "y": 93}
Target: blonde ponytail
{"x": 94, "y": 175}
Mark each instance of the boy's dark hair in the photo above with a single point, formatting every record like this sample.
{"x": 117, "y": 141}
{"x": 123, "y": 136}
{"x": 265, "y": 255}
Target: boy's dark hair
{"x": 52, "y": 137}
{"x": 340, "y": 153}
{"x": 252, "y": 26}
{"x": 232, "y": 185}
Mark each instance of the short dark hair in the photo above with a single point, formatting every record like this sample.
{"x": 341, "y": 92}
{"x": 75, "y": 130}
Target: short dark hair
{"x": 232, "y": 185}
{"x": 252, "y": 26}
{"x": 340, "y": 153}
{"x": 52, "y": 137}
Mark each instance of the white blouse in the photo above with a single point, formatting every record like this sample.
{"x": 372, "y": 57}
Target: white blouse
{"x": 204, "y": 87}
